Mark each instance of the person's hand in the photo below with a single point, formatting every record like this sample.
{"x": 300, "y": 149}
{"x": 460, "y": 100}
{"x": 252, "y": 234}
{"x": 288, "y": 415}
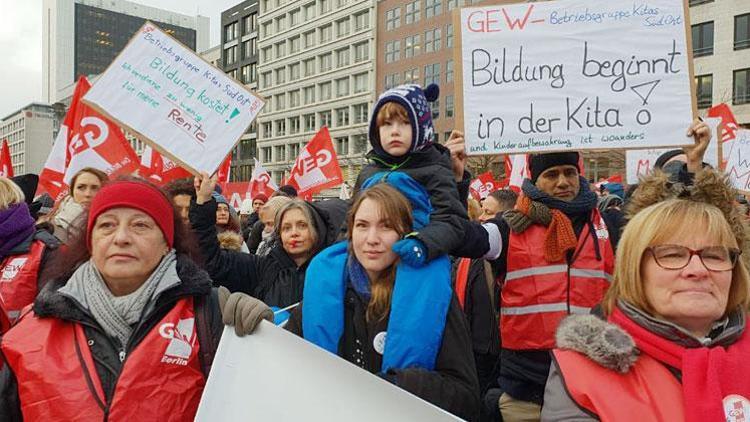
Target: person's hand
{"x": 701, "y": 134}
{"x": 242, "y": 311}
{"x": 458, "y": 155}
{"x": 412, "y": 251}
{"x": 204, "y": 187}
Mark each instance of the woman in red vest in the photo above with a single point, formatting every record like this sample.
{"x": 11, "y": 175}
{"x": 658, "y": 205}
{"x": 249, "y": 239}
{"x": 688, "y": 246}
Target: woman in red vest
{"x": 675, "y": 345}
{"x": 128, "y": 327}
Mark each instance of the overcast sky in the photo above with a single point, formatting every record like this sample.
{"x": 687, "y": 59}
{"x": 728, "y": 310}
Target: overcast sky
{"x": 21, "y": 44}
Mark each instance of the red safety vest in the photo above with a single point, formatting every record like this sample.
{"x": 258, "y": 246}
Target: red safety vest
{"x": 161, "y": 377}
{"x": 537, "y": 294}
{"x": 647, "y": 392}
{"x": 18, "y": 278}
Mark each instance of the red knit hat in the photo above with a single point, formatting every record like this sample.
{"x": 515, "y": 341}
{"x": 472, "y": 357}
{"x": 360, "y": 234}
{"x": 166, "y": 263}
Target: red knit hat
{"x": 133, "y": 194}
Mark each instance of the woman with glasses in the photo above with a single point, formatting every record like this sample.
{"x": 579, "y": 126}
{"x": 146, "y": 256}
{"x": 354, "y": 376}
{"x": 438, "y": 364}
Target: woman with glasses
{"x": 674, "y": 346}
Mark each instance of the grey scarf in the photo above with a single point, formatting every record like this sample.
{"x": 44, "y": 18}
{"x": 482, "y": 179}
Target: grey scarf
{"x": 118, "y": 314}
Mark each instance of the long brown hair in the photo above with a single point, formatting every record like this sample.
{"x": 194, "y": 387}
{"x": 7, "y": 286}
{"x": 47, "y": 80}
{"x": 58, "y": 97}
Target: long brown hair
{"x": 395, "y": 209}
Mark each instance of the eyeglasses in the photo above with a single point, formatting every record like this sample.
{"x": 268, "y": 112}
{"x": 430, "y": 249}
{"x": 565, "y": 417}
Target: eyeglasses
{"x": 676, "y": 257}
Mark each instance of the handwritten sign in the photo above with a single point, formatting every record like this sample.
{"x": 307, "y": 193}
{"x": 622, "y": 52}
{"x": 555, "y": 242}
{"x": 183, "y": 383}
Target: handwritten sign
{"x": 174, "y": 100}
{"x": 640, "y": 163}
{"x": 738, "y": 160}
{"x": 257, "y": 377}
{"x": 574, "y": 74}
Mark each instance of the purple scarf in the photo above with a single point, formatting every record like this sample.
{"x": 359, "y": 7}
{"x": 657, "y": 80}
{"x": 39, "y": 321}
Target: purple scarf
{"x": 16, "y": 225}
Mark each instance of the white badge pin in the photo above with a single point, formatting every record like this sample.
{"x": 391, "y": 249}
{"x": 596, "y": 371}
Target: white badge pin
{"x": 378, "y": 343}
{"x": 736, "y": 408}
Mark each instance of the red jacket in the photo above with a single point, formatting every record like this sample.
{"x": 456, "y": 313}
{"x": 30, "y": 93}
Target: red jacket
{"x": 161, "y": 378}
{"x": 18, "y": 278}
{"x": 537, "y": 294}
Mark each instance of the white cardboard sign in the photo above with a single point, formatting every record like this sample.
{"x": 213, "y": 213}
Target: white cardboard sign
{"x": 273, "y": 375}
{"x": 574, "y": 74}
{"x": 737, "y": 154}
{"x": 641, "y": 162}
{"x": 174, "y": 100}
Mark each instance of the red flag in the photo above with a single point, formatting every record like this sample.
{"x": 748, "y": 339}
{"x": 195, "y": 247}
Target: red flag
{"x": 728, "y": 121}
{"x": 236, "y": 192}
{"x": 86, "y": 139}
{"x": 6, "y": 166}
{"x": 615, "y": 178}
{"x": 316, "y": 167}
{"x": 159, "y": 169}
{"x": 224, "y": 169}
{"x": 516, "y": 169}
{"x": 482, "y": 186}
{"x": 261, "y": 181}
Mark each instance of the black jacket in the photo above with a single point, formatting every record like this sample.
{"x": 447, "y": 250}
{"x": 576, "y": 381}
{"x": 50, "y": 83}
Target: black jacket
{"x": 453, "y": 384}
{"x": 105, "y": 349}
{"x": 275, "y": 279}
{"x": 431, "y": 168}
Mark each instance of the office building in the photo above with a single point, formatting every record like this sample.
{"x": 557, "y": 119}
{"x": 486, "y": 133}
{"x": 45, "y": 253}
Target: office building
{"x": 30, "y": 132}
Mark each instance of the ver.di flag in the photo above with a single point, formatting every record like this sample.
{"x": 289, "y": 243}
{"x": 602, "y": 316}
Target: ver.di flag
{"x": 261, "y": 181}
{"x": 6, "y": 166}
{"x": 160, "y": 169}
{"x": 86, "y": 139}
{"x": 316, "y": 167}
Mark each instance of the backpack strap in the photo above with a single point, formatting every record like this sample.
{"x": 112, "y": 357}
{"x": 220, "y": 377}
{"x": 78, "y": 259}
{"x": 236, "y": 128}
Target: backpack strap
{"x": 206, "y": 308}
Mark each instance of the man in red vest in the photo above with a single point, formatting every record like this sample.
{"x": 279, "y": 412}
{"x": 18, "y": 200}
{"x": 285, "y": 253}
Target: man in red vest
{"x": 557, "y": 259}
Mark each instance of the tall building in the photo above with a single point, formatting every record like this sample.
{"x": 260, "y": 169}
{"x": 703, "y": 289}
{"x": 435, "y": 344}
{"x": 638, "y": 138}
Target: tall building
{"x": 315, "y": 69}
{"x": 721, "y": 51}
{"x": 239, "y": 59}
{"x": 82, "y": 37}
{"x": 30, "y": 132}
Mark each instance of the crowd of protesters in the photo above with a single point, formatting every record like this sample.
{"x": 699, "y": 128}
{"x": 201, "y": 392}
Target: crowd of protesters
{"x": 562, "y": 302}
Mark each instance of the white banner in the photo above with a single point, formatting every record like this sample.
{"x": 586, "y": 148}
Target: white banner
{"x": 273, "y": 375}
{"x": 641, "y": 162}
{"x": 574, "y": 74}
{"x": 737, "y": 154}
{"x": 173, "y": 99}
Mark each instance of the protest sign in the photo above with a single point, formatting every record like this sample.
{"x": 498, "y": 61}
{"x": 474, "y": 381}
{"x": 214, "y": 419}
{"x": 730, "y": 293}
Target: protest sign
{"x": 171, "y": 98}
{"x": 6, "y": 165}
{"x": 250, "y": 380}
{"x": 317, "y": 167}
{"x": 639, "y": 163}
{"x": 573, "y": 74}
{"x": 737, "y": 155}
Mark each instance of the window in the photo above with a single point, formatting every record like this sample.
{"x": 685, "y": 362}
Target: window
{"x": 294, "y": 45}
{"x": 325, "y": 62}
{"x": 325, "y": 118}
{"x": 449, "y": 71}
{"x": 280, "y": 151}
{"x": 280, "y": 101}
{"x": 245, "y": 74}
{"x": 432, "y": 8}
{"x": 249, "y": 23}
{"x": 342, "y": 145}
{"x": 280, "y": 23}
{"x": 741, "y": 93}
{"x": 452, "y": 4}
{"x": 432, "y": 40}
{"x": 267, "y": 29}
{"x": 703, "y": 39}
{"x": 742, "y": 31}
{"x": 359, "y": 143}
{"x": 341, "y": 3}
{"x": 266, "y": 153}
{"x": 449, "y": 106}
{"x": 309, "y": 94}
{"x": 360, "y": 113}
{"x": 325, "y": 91}
{"x": 249, "y": 48}
{"x": 435, "y": 107}
{"x": 230, "y": 55}
{"x": 309, "y": 123}
{"x": 704, "y": 90}
{"x": 294, "y": 17}
{"x": 449, "y": 35}
{"x": 267, "y": 128}
{"x": 294, "y": 98}
{"x": 392, "y": 51}
{"x": 326, "y": 33}
{"x": 413, "y": 10}
{"x": 697, "y": 2}
{"x": 309, "y": 11}
{"x": 230, "y": 31}
{"x": 309, "y": 67}
{"x": 432, "y": 74}
{"x": 391, "y": 81}
{"x": 267, "y": 54}
{"x": 293, "y": 151}
{"x": 294, "y": 71}
{"x": 361, "y": 51}
{"x": 280, "y": 76}
{"x": 411, "y": 76}
{"x": 342, "y": 57}
{"x": 253, "y": 72}
{"x": 280, "y": 128}
{"x": 342, "y": 116}
{"x": 411, "y": 46}
{"x": 269, "y": 104}
{"x": 342, "y": 87}
{"x": 280, "y": 49}
{"x": 293, "y": 128}
{"x": 393, "y": 19}
{"x": 360, "y": 83}
{"x": 309, "y": 39}
{"x": 362, "y": 20}
{"x": 266, "y": 79}
{"x": 325, "y": 6}
{"x": 342, "y": 27}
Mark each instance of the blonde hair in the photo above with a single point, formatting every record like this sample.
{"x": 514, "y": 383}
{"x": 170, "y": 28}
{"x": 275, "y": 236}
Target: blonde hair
{"x": 10, "y": 193}
{"x": 654, "y": 225}
{"x": 475, "y": 210}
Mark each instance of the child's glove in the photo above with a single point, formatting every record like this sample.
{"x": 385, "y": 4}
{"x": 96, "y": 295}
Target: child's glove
{"x": 412, "y": 251}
